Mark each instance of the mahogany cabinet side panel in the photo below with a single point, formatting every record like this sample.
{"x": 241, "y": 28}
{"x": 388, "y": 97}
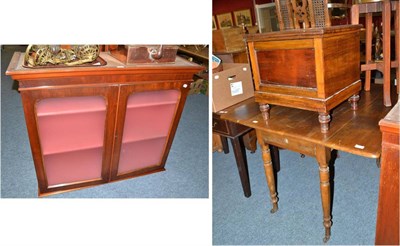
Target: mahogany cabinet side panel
{"x": 387, "y": 225}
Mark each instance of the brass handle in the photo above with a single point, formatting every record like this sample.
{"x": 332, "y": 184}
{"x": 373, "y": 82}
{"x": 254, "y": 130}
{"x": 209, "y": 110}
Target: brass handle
{"x": 154, "y": 54}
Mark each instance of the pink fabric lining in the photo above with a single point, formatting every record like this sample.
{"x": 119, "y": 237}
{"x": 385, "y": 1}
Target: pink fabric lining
{"x": 73, "y": 166}
{"x": 57, "y": 106}
{"x": 148, "y": 98}
{"x": 71, "y": 133}
{"x": 78, "y": 125}
{"x": 141, "y": 154}
{"x": 147, "y": 123}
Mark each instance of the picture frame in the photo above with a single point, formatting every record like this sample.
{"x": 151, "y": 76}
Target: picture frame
{"x": 243, "y": 17}
{"x": 225, "y": 20}
{"x": 214, "y": 23}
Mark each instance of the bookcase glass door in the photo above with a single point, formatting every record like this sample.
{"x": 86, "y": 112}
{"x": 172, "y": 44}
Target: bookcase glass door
{"x": 71, "y": 132}
{"x": 148, "y": 120}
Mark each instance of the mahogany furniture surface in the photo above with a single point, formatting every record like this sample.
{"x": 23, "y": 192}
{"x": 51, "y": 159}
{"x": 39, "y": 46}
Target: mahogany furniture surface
{"x": 385, "y": 7}
{"x": 387, "y": 225}
{"x": 315, "y": 68}
{"x": 93, "y": 125}
{"x": 355, "y": 132}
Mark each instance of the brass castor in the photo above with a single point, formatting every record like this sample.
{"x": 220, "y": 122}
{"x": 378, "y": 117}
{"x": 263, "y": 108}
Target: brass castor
{"x": 274, "y": 208}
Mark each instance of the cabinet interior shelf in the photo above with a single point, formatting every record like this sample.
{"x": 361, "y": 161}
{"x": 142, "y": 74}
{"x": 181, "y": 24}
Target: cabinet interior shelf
{"x": 74, "y": 105}
{"x": 70, "y": 150}
{"x": 70, "y": 124}
{"x": 152, "y": 104}
{"x": 132, "y": 140}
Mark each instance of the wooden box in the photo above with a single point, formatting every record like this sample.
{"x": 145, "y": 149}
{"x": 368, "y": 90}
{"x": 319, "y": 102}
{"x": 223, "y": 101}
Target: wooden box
{"x": 230, "y": 39}
{"x": 133, "y": 54}
{"x": 314, "y": 69}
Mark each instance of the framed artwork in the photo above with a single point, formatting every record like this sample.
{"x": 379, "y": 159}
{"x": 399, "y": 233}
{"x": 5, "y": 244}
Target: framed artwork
{"x": 243, "y": 17}
{"x": 214, "y": 24}
{"x": 225, "y": 20}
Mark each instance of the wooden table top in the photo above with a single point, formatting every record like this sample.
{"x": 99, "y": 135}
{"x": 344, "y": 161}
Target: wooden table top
{"x": 355, "y": 132}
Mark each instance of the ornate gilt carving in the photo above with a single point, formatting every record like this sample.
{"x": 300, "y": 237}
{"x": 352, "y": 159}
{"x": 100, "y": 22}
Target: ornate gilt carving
{"x": 42, "y": 55}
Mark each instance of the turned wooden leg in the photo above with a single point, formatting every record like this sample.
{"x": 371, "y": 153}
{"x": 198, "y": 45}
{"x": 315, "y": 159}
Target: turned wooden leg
{"x": 323, "y": 158}
{"x": 354, "y": 101}
{"x": 275, "y": 158}
{"x": 241, "y": 162}
{"x": 264, "y": 108}
{"x": 324, "y": 118}
{"x": 269, "y": 172}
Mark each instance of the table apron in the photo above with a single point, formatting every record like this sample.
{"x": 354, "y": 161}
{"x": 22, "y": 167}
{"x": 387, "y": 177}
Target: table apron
{"x": 291, "y": 143}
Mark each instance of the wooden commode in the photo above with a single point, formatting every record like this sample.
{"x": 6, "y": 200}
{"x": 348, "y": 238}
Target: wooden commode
{"x": 315, "y": 68}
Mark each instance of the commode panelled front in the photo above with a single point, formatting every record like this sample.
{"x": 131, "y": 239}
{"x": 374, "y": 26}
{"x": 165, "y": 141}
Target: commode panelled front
{"x": 72, "y": 134}
{"x": 273, "y": 63}
{"x": 148, "y": 126}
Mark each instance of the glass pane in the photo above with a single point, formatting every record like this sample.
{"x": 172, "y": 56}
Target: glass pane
{"x": 148, "y": 120}
{"x": 71, "y": 133}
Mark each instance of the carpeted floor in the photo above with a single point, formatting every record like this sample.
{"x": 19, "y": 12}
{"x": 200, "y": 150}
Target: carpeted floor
{"x": 247, "y": 221}
{"x": 186, "y": 174}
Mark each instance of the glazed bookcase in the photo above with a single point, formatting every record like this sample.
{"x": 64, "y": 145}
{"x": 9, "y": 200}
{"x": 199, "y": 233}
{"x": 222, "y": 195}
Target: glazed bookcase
{"x": 93, "y": 125}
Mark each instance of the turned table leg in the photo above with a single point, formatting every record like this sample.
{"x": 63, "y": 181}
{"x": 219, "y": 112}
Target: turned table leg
{"x": 324, "y": 119}
{"x": 269, "y": 172}
{"x": 323, "y": 158}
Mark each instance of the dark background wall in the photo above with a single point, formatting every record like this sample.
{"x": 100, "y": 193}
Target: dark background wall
{"x": 226, "y": 6}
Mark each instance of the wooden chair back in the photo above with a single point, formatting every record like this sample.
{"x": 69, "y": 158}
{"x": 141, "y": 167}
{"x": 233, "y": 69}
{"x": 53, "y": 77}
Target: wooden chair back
{"x": 296, "y": 14}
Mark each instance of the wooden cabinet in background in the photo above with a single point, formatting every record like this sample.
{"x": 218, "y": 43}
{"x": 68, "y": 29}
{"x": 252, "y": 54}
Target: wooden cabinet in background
{"x": 233, "y": 57}
{"x": 387, "y": 225}
{"x": 97, "y": 124}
